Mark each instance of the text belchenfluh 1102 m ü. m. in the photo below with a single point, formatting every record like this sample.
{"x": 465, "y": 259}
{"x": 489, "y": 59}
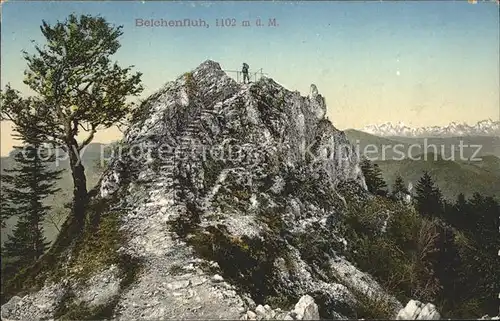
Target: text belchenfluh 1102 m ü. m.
{"x": 201, "y": 23}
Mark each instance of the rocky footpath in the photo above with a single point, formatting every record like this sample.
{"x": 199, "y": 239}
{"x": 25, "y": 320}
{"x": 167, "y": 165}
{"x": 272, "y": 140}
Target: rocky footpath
{"x": 227, "y": 198}
{"x": 416, "y": 310}
{"x": 305, "y": 309}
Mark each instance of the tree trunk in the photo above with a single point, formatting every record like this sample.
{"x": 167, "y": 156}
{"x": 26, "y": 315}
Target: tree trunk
{"x": 79, "y": 183}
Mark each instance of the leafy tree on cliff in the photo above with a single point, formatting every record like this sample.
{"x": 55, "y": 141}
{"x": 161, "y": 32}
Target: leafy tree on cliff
{"x": 78, "y": 90}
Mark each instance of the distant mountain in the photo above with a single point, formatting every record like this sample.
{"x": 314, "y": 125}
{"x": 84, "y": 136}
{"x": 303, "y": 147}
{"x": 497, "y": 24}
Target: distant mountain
{"x": 448, "y": 147}
{"x": 452, "y": 175}
{"x": 483, "y": 128}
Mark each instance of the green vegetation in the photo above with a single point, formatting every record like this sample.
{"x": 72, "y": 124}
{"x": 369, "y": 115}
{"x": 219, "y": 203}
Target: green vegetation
{"x": 212, "y": 169}
{"x": 429, "y": 200}
{"x": 244, "y": 261}
{"x": 25, "y": 187}
{"x": 433, "y": 251}
{"x": 452, "y": 176}
{"x": 60, "y": 201}
{"x": 32, "y": 278}
{"x": 98, "y": 247}
{"x": 372, "y": 307}
{"x": 399, "y": 188}
{"x": 396, "y": 257}
{"x": 83, "y": 253}
{"x": 373, "y": 177}
{"x": 190, "y": 83}
{"x": 311, "y": 188}
{"x": 77, "y": 87}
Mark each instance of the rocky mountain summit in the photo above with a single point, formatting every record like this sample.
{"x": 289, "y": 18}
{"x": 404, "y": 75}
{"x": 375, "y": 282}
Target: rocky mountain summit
{"x": 223, "y": 201}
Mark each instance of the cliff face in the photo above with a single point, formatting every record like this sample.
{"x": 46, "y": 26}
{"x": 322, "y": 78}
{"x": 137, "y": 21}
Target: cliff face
{"x": 224, "y": 196}
{"x": 205, "y": 113}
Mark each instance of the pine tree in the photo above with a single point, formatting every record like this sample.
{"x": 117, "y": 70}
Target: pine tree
{"x": 462, "y": 206}
{"x": 485, "y": 220}
{"x": 482, "y": 224}
{"x": 456, "y": 214}
{"x": 367, "y": 168}
{"x": 429, "y": 197}
{"x": 447, "y": 263}
{"x": 399, "y": 188}
{"x": 24, "y": 187}
{"x": 6, "y": 209}
{"x": 373, "y": 177}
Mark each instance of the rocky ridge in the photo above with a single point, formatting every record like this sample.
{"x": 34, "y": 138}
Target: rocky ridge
{"x": 214, "y": 235}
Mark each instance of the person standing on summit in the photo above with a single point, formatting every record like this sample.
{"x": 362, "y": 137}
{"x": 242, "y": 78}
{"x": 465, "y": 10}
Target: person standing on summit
{"x": 244, "y": 70}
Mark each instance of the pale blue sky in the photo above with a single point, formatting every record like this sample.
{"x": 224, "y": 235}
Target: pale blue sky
{"x": 420, "y": 62}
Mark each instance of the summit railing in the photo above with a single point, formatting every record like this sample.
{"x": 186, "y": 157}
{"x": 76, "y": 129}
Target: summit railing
{"x": 238, "y": 75}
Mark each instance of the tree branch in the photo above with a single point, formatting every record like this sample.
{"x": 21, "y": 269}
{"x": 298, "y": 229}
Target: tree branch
{"x": 57, "y": 139}
{"x": 84, "y": 128}
{"x": 89, "y": 138}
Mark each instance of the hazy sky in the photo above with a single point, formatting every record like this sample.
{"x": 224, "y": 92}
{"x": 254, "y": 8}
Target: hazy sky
{"x": 419, "y": 62}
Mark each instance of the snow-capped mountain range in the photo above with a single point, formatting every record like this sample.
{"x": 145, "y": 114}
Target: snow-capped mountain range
{"x": 487, "y": 127}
